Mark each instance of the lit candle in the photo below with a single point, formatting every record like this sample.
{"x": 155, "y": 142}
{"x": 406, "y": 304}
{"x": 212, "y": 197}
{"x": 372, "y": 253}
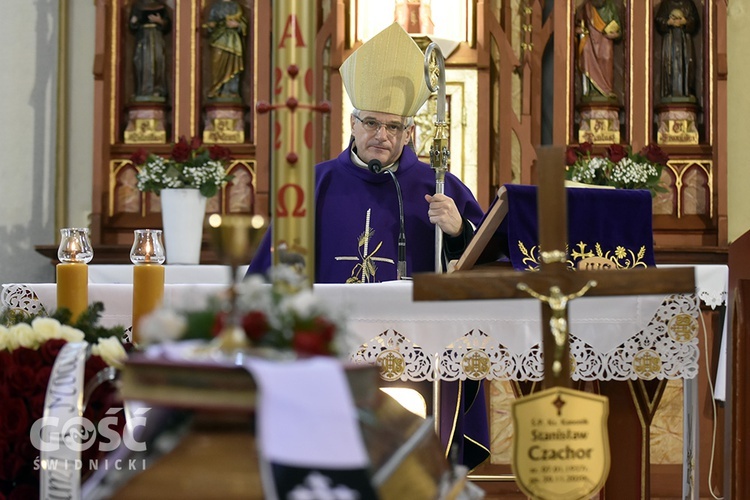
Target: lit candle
{"x": 72, "y": 272}
{"x": 147, "y": 256}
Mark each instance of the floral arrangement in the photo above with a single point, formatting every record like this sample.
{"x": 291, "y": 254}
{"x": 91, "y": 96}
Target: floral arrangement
{"x": 272, "y": 319}
{"x": 619, "y": 168}
{"x": 29, "y": 346}
{"x": 191, "y": 164}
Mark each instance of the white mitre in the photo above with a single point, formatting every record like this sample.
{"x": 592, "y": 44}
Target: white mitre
{"x": 386, "y": 74}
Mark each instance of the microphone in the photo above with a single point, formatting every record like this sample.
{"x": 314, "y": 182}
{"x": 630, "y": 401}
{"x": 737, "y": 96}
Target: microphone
{"x": 376, "y": 167}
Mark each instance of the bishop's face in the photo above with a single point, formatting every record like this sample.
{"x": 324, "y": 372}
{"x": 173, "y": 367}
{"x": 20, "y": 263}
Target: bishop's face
{"x": 380, "y": 136}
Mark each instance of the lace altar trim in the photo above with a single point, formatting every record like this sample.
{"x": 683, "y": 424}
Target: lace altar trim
{"x": 666, "y": 349}
{"x": 22, "y": 298}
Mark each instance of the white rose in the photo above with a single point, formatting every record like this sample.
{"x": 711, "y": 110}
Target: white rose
{"x": 111, "y": 351}
{"x": 46, "y": 328}
{"x": 161, "y": 325}
{"x": 71, "y": 334}
{"x": 4, "y": 338}
{"x": 25, "y": 336}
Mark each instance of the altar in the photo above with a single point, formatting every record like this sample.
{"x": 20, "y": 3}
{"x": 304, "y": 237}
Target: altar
{"x": 625, "y": 338}
{"x": 621, "y": 338}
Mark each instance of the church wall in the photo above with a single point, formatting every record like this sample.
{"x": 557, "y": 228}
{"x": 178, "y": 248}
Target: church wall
{"x": 738, "y": 162}
{"x": 28, "y": 87}
{"x": 80, "y": 111}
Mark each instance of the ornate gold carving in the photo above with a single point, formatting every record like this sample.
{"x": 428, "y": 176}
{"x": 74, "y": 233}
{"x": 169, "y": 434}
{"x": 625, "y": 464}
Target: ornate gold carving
{"x": 224, "y": 131}
{"x": 647, "y": 364}
{"x": 476, "y": 364}
{"x": 145, "y": 131}
{"x": 599, "y": 126}
{"x": 682, "y": 328}
{"x": 679, "y": 169}
{"x": 392, "y": 365}
{"x": 677, "y": 126}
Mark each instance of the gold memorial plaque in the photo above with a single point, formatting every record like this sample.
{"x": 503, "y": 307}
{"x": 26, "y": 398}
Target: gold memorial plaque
{"x": 560, "y": 444}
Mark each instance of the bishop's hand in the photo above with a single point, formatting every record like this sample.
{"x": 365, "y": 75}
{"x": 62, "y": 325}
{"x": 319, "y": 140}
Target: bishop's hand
{"x": 444, "y": 213}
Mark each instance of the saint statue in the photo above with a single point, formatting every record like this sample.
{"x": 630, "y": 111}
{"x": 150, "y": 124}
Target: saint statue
{"x": 149, "y": 20}
{"x": 597, "y": 27}
{"x": 226, "y": 28}
{"x": 677, "y": 21}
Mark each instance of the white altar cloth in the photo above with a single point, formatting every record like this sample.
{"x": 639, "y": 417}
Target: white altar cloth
{"x": 173, "y": 273}
{"x": 453, "y": 340}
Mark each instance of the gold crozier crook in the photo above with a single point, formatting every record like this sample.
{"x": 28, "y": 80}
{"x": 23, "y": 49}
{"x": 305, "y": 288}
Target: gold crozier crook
{"x": 434, "y": 75}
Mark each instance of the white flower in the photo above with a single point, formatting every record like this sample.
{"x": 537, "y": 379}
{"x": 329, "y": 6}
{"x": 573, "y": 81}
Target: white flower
{"x": 302, "y": 304}
{"x": 25, "y": 336}
{"x": 3, "y": 338}
{"x": 111, "y": 351}
{"x": 254, "y": 294}
{"x": 71, "y": 334}
{"x": 47, "y": 328}
{"x": 161, "y": 325}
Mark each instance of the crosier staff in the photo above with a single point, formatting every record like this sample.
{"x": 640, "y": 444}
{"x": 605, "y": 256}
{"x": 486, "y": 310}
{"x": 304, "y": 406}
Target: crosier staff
{"x": 434, "y": 75}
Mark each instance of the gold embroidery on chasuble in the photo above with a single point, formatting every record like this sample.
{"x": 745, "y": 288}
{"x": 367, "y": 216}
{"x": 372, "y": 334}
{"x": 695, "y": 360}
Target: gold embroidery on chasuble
{"x": 364, "y": 270}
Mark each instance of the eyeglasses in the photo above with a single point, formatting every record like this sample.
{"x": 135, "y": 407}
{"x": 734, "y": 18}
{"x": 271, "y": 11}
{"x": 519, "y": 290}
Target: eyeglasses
{"x": 372, "y": 126}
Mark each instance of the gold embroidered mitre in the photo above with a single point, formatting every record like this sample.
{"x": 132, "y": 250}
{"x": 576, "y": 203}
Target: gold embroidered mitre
{"x": 386, "y": 74}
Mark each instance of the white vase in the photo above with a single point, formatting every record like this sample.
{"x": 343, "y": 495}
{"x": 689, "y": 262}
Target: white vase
{"x": 182, "y": 212}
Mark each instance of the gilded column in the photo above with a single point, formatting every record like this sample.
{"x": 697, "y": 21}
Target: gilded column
{"x": 292, "y": 152}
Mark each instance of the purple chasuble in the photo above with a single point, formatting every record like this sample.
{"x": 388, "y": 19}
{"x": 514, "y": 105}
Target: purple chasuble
{"x": 357, "y": 220}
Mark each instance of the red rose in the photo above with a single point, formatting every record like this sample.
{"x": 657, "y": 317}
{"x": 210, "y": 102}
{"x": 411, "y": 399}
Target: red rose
{"x": 571, "y": 155}
{"x": 7, "y": 364}
{"x": 36, "y": 404}
{"x": 655, "y": 154}
{"x": 139, "y": 157}
{"x": 586, "y": 148}
{"x": 14, "y": 418}
{"x": 41, "y": 377}
{"x": 94, "y": 365}
{"x": 21, "y": 381}
{"x": 219, "y": 323}
{"x": 24, "y": 491}
{"x": 50, "y": 349}
{"x": 310, "y": 342}
{"x": 28, "y": 357}
{"x": 219, "y": 153}
{"x": 325, "y": 328}
{"x": 255, "y": 325}
{"x": 181, "y": 151}
{"x": 616, "y": 152}
{"x": 195, "y": 143}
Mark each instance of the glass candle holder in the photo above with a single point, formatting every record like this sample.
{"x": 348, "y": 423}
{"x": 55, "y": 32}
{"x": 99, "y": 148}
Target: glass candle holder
{"x": 72, "y": 275}
{"x": 147, "y": 253}
{"x": 75, "y": 245}
{"x": 147, "y": 247}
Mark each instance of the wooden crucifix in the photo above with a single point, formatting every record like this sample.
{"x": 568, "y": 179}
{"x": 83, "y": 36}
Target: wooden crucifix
{"x": 553, "y": 283}
{"x": 555, "y": 286}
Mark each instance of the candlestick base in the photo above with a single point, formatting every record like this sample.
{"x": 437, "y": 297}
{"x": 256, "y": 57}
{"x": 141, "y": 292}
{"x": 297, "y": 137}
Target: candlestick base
{"x": 231, "y": 339}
